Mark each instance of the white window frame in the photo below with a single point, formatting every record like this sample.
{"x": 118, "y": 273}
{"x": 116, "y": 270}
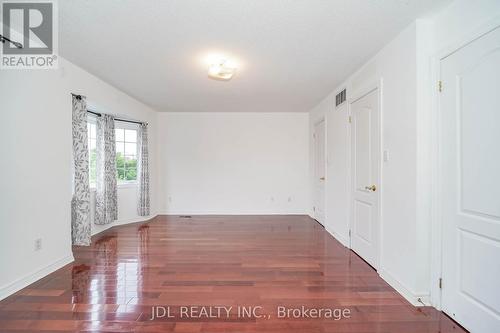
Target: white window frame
{"x": 128, "y": 126}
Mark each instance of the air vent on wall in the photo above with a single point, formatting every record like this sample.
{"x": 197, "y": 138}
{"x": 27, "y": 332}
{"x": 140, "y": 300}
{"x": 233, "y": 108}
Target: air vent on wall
{"x": 340, "y": 98}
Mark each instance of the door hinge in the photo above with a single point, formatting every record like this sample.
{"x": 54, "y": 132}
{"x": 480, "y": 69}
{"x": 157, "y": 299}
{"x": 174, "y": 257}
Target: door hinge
{"x": 440, "y": 283}
{"x": 314, "y": 208}
{"x": 349, "y": 233}
{"x": 440, "y": 86}
{"x": 350, "y": 119}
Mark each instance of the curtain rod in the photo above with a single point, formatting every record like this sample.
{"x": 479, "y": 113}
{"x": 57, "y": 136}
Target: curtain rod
{"x": 79, "y": 97}
{"x": 118, "y": 119}
{"x": 4, "y": 39}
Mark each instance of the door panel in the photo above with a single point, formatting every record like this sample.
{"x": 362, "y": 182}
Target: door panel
{"x": 363, "y": 220}
{"x": 478, "y": 288}
{"x": 365, "y": 178}
{"x": 363, "y": 151}
{"x": 319, "y": 171}
{"x": 470, "y": 137}
{"x": 479, "y": 132}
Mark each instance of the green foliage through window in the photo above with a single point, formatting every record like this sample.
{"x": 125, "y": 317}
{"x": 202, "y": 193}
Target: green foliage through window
{"x": 126, "y": 154}
{"x": 126, "y": 168}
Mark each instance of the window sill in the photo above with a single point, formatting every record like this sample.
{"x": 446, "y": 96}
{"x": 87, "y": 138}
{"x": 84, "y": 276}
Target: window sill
{"x": 126, "y": 185}
{"x": 122, "y": 185}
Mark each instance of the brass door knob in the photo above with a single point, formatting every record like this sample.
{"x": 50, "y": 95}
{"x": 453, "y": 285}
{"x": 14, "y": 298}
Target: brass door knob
{"x": 322, "y": 178}
{"x": 372, "y": 188}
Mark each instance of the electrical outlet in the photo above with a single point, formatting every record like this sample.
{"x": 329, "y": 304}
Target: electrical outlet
{"x": 38, "y": 244}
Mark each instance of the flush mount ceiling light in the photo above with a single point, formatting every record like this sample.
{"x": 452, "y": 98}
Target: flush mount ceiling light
{"x": 221, "y": 70}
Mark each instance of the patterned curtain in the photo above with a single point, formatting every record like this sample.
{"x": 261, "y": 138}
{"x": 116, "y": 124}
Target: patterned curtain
{"x": 80, "y": 202}
{"x": 106, "y": 207}
{"x": 143, "y": 171}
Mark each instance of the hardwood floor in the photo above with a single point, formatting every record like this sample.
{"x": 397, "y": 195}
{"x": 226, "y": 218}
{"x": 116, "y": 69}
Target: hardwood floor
{"x": 204, "y": 262}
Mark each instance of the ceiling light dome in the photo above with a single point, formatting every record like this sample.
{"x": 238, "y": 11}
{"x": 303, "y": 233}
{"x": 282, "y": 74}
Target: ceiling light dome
{"x": 221, "y": 71}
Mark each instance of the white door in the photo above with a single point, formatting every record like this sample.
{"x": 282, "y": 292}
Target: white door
{"x": 319, "y": 172}
{"x": 470, "y": 179}
{"x": 365, "y": 177}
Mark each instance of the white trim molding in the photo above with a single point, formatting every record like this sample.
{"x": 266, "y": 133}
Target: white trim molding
{"x": 415, "y": 298}
{"x": 130, "y": 184}
{"x": 371, "y": 85}
{"x": 8, "y": 290}
{"x": 25, "y": 281}
{"x": 235, "y": 213}
{"x": 342, "y": 239}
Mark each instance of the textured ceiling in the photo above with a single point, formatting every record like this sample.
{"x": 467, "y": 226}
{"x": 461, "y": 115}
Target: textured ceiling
{"x": 292, "y": 53}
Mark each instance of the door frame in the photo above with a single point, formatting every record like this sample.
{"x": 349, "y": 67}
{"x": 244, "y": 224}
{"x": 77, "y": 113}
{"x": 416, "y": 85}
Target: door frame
{"x": 320, "y": 120}
{"x": 436, "y": 170}
{"x": 374, "y": 85}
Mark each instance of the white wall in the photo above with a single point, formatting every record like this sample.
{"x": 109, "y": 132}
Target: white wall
{"x": 224, "y": 163}
{"x": 461, "y": 19}
{"x": 36, "y": 164}
{"x": 452, "y": 27}
{"x": 234, "y": 163}
{"x": 395, "y": 67}
{"x": 337, "y": 183}
{"x": 405, "y": 68}
{"x": 127, "y": 207}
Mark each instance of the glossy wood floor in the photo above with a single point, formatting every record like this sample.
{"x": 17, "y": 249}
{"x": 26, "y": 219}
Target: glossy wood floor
{"x": 266, "y": 261}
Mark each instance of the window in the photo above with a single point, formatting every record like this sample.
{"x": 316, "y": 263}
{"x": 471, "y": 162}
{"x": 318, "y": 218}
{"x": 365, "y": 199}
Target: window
{"x": 126, "y": 154}
{"x": 91, "y": 129}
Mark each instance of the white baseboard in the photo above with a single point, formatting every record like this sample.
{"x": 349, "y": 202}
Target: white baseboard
{"x": 96, "y": 229}
{"x": 238, "y": 213}
{"x": 216, "y": 213}
{"x": 343, "y": 240}
{"x": 23, "y": 282}
{"x": 416, "y": 299}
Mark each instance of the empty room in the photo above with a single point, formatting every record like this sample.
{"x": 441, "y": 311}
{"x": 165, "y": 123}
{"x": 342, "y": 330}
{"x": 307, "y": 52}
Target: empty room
{"x": 307, "y": 166}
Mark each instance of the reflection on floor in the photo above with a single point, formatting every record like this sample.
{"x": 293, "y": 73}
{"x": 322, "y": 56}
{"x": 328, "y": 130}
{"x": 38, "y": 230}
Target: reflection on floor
{"x": 216, "y": 274}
